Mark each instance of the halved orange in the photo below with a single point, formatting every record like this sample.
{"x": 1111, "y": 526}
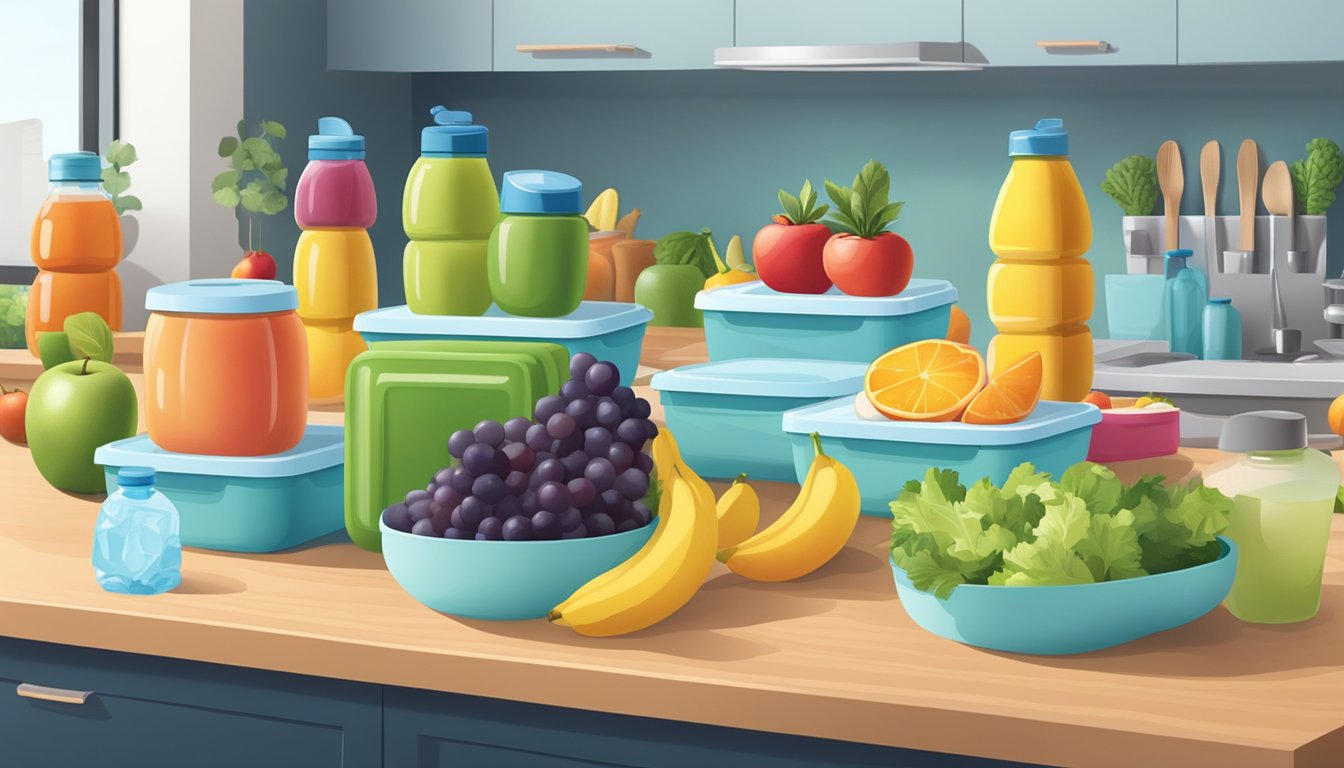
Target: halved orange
{"x": 959, "y": 326}
{"x": 930, "y": 380}
{"x": 1009, "y": 397}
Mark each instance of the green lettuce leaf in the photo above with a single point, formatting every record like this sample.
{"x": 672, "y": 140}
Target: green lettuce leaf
{"x": 1096, "y": 485}
{"x": 1111, "y": 548}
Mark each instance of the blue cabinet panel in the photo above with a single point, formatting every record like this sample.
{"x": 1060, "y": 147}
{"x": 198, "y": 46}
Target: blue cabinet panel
{"x": 841, "y": 22}
{"x": 409, "y": 35}
{"x": 1244, "y": 31}
{"x": 1137, "y": 32}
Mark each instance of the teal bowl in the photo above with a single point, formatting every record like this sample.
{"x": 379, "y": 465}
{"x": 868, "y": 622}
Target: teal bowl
{"x": 1077, "y": 618}
{"x": 501, "y": 580}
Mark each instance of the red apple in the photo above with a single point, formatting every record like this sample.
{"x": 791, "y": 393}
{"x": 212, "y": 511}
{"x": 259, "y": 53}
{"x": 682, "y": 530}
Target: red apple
{"x": 13, "y": 404}
{"x": 869, "y": 266}
{"x": 788, "y": 256}
{"x": 256, "y": 265}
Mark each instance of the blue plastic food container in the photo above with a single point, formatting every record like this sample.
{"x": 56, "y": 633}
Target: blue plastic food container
{"x": 245, "y": 503}
{"x": 608, "y": 330}
{"x": 751, "y": 320}
{"x": 883, "y": 455}
{"x": 726, "y": 415}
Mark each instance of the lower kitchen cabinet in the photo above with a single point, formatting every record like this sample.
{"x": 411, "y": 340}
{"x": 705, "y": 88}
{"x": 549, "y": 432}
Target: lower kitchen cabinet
{"x": 148, "y": 711}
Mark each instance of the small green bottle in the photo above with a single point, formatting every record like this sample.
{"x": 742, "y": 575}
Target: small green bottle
{"x": 538, "y": 254}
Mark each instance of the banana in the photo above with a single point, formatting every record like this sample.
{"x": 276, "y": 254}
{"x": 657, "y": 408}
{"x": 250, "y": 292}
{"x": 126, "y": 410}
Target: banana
{"x": 666, "y": 454}
{"x": 602, "y": 213}
{"x": 811, "y": 532}
{"x": 733, "y": 254}
{"x": 666, "y": 574}
{"x": 739, "y": 511}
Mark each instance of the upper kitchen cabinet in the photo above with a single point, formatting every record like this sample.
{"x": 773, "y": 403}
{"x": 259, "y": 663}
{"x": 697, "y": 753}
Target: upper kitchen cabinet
{"x": 409, "y": 35}
{"x": 1252, "y": 31}
{"x": 847, "y": 22}
{"x": 545, "y": 35}
{"x": 1042, "y": 33}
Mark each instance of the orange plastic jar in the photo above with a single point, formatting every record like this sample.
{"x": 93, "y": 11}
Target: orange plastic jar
{"x": 226, "y": 367}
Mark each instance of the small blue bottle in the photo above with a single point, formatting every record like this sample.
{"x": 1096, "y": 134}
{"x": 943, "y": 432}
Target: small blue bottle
{"x": 1222, "y": 330}
{"x": 137, "y": 544}
{"x": 1186, "y": 293}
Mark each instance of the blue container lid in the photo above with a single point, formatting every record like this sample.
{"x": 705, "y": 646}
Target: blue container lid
{"x": 1047, "y": 139}
{"x": 322, "y": 447}
{"x": 836, "y": 418}
{"x": 75, "y": 166}
{"x": 765, "y": 377}
{"x": 919, "y": 295}
{"x": 540, "y": 192}
{"x": 335, "y": 140}
{"x": 592, "y": 318}
{"x": 1219, "y": 300}
{"x": 135, "y": 477}
{"x": 222, "y": 296}
{"x": 453, "y": 135}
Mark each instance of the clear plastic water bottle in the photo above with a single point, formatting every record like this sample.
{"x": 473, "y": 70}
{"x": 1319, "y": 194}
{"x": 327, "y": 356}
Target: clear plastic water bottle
{"x": 137, "y": 545}
{"x": 1186, "y": 294}
{"x": 1222, "y": 330}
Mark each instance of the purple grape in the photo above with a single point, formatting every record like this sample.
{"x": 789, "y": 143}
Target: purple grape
{"x": 516, "y": 483}
{"x": 596, "y": 441}
{"x": 608, "y": 413}
{"x": 521, "y": 458}
{"x": 488, "y": 488}
{"x": 600, "y": 524}
{"x": 478, "y": 458}
{"x": 459, "y": 442}
{"x": 568, "y": 445}
{"x": 631, "y": 432}
{"x": 543, "y": 456}
{"x": 490, "y": 529}
{"x": 546, "y": 525}
{"x": 537, "y": 437}
{"x": 573, "y": 390}
{"x": 627, "y": 525}
{"x": 530, "y": 503}
{"x": 508, "y": 507}
{"x": 574, "y": 464}
{"x": 624, "y": 397}
{"x": 570, "y": 519}
{"x": 442, "y": 519}
{"x": 632, "y": 484}
{"x": 650, "y": 429}
{"x": 583, "y": 412}
{"x": 582, "y": 491}
{"x": 547, "y": 407}
{"x": 600, "y": 473}
{"x": 641, "y": 409}
{"x": 515, "y": 429}
{"x": 643, "y": 462}
{"x": 424, "y": 528}
{"x": 455, "y": 519}
{"x": 578, "y": 532}
{"x": 456, "y": 533}
{"x": 501, "y": 466}
{"x": 640, "y": 513}
{"x": 419, "y": 510}
{"x": 462, "y": 480}
{"x": 415, "y": 496}
{"x": 579, "y": 365}
{"x": 447, "y": 496}
{"x": 621, "y": 456}
{"x": 551, "y": 470}
{"x": 444, "y": 476}
{"x": 490, "y": 432}
{"x": 602, "y": 378}
{"x": 518, "y": 528}
{"x": 613, "y": 502}
{"x": 397, "y": 518}
{"x": 472, "y": 511}
{"x": 559, "y": 426}
{"x": 554, "y": 497}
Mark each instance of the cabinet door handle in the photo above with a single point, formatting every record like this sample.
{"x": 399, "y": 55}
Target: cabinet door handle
{"x": 1075, "y": 47}
{"x": 58, "y": 695}
{"x": 615, "y": 48}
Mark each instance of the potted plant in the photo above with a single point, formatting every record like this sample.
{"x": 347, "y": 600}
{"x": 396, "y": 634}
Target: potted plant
{"x": 116, "y": 180}
{"x": 254, "y": 180}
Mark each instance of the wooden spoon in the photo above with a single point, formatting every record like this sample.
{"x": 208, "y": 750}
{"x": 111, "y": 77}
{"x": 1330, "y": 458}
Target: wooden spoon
{"x": 1171, "y": 180}
{"x": 1248, "y": 174}
{"x": 1278, "y": 197}
{"x": 1210, "y": 166}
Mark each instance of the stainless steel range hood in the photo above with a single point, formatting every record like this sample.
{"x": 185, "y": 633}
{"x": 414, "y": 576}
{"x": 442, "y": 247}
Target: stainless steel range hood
{"x": 883, "y": 57}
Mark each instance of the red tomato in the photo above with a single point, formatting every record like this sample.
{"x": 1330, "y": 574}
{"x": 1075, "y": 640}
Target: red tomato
{"x": 788, "y": 257}
{"x": 877, "y": 266}
{"x": 13, "y": 406}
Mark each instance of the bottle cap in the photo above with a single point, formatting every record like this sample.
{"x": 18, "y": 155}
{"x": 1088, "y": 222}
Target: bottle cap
{"x": 1219, "y": 300}
{"x": 335, "y": 140}
{"x": 1179, "y": 253}
{"x": 1264, "y": 431}
{"x": 1047, "y": 139}
{"x": 540, "y": 192}
{"x": 453, "y": 135}
{"x": 75, "y": 166}
{"x": 135, "y": 477}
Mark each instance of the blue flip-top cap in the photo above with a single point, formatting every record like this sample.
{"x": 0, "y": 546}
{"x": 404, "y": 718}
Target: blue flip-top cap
{"x": 1048, "y": 138}
{"x": 133, "y": 477}
{"x": 75, "y": 166}
{"x": 540, "y": 192}
{"x": 1179, "y": 253}
{"x": 335, "y": 140}
{"x": 453, "y": 134}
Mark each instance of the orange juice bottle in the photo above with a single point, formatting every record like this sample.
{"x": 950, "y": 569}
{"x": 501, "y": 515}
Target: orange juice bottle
{"x": 76, "y": 244}
{"x": 1040, "y": 290}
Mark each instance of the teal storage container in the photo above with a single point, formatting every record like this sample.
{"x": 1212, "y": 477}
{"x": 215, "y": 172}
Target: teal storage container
{"x": 245, "y": 503}
{"x": 883, "y": 455}
{"x": 608, "y": 330}
{"x": 727, "y": 415}
{"x": 751, "y": 320}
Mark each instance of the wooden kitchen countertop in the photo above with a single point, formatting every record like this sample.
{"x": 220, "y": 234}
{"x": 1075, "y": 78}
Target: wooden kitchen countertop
{"x": 831, "y": 655}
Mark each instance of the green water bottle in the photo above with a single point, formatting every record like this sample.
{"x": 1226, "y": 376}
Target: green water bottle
{"x": 448, "y": 210}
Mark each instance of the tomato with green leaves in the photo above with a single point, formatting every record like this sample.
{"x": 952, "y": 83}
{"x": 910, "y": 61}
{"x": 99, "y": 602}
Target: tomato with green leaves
{"x": 788, "y": 252}
{"x": 863, "y": 258}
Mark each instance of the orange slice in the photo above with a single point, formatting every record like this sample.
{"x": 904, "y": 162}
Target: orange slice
{"x": 959, "y": 326}
{"x": 1009, "y": 397}
{"x": 931, "y": 380}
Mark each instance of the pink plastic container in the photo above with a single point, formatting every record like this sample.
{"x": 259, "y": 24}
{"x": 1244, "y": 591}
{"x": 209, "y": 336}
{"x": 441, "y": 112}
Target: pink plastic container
{"x": 335, "y": 189}
{"x": 1124, "y": 435}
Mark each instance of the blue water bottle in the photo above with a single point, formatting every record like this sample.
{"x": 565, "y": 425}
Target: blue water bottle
{"x": 1222, "y": 330}
{"x": 1186, "y": 293}
{"x": 137, "y": 545}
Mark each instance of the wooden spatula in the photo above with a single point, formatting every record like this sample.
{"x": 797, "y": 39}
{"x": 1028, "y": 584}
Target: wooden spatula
{"x": 1171, "y": 180}
{"x": 1248, "y": 175}
{"x": 1210, "y": 166}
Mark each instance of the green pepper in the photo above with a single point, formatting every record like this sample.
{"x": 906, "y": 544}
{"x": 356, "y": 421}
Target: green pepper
{"x": 668, "y": 290}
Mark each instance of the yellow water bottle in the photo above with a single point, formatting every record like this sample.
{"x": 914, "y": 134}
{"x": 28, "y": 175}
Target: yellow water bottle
{"x": 1040, "y": 290}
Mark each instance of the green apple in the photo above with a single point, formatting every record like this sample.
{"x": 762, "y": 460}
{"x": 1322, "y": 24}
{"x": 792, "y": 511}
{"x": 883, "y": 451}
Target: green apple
{"x": 72, "y": 409}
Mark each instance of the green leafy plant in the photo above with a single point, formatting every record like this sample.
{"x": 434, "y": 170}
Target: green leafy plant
{"x": 116, "y": 180}
{"x": 1316, "y": 177}
{"x": 13, "y": 314}
{"x": 864, "y": 208}
{"x": 255, "y": 178}
{"x": 803, "y": 208}
{"x": 692, "y": 248}
{"x": 1087, "y": 527}
{"x": 1132, "y": 184}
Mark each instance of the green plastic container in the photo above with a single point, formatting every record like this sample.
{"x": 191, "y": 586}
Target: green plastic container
{"x": 403, "y": 401}
{"x": 538, "y": 253}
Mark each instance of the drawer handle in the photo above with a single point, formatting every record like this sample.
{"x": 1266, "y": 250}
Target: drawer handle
{"x": 58, "y": 695}
{"x": 614, "y": 48}
{"x": 1075, "y": 47}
